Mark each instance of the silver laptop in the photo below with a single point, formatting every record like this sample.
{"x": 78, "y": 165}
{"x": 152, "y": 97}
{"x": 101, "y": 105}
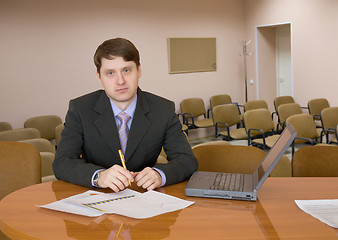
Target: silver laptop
{"x": 240, "y": 186}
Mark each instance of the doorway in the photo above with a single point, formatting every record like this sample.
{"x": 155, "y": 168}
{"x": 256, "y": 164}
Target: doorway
{"x": 274, "y": 62}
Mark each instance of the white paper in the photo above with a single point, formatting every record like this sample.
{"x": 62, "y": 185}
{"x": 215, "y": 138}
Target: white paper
{"x": 127, "y": 203}
{"x": 324, "y": 210}
{"x": 64, "y": 205}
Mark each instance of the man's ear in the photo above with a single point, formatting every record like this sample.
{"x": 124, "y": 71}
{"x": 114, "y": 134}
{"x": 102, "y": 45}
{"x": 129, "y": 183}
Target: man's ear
{"x": 139, "y": 70}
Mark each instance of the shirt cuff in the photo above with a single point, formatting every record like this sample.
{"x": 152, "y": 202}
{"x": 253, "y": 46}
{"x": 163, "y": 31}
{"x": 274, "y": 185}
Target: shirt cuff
{"x": 93, "y": 184}
{"x": 164, "y": 179}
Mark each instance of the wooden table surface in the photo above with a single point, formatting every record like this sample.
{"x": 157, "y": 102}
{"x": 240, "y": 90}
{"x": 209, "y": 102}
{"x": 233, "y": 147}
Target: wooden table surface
{"x": 274, "y": 216}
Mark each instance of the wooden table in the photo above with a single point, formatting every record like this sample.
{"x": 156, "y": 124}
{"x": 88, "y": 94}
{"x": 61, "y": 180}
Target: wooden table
{"x": 274, "y": 216}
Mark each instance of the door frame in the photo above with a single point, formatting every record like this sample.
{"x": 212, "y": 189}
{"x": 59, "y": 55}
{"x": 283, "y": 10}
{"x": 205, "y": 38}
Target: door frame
{"x": 259, "y": 60}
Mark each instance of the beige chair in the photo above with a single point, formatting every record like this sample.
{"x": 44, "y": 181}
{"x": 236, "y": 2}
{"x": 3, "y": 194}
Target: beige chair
{"x": 329, "y": 117}
{"x": 286, "y": 110}
{"x": 195, "y": 114}
{"x": 306, "y": 129}
{"x": 235, "y": 159}
{"x": 220, "y": 100}
{"x": 43, "y": 145}
{"x": 315, "y": 161}
{"x": 20, "y": 166}
{"x": 58, "y": 131}
{"x": 225, "y": 99}
{"x": 315, "y": 107}
{"x": 47, "y": 153}
{"x": 260, "y": 128}
{"x": 45, "y": 124}
{"x": 227, "y": 116}
{"x": 4, "y": 126}
{"x": 19, "y": 134}
{"x": 279, "y": 101}
{"x": 255, "y": 104}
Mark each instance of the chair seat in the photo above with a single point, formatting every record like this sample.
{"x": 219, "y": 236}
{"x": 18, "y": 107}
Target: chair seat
{"x": 269, "y": 141}
{"x": 238, "y": 133}
{"x": 202, "y": 123}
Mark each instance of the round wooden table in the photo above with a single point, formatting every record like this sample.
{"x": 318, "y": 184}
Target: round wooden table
{"x": 274, "y": 216}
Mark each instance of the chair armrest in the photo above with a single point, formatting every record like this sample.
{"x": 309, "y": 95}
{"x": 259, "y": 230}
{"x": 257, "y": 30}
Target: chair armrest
{"x": 216, "y": 128}
{"x": 209, "y": 113}
{"x": 255, "y": 129}
{"x": 189, "y": 115}
{"x": 239, "y": 106}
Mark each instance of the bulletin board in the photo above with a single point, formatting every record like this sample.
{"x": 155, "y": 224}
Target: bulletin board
{"x": 192, "y": 55}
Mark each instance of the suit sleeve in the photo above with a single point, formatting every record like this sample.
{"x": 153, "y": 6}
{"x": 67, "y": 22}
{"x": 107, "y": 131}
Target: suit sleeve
{"x": 68, "y": 164}
{"x": 182, "y": 162}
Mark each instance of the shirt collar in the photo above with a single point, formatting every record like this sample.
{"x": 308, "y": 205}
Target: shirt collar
{"x": 130, "y": 110}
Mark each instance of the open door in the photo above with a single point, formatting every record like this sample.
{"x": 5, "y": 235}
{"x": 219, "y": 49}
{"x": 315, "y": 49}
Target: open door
{"x": 274, "y": 62}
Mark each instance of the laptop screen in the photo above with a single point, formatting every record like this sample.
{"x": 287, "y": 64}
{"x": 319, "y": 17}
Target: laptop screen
{"x": 275, "y": 153}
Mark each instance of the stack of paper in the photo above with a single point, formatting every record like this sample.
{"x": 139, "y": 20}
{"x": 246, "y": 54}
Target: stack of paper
{"x": 127, "y": 203}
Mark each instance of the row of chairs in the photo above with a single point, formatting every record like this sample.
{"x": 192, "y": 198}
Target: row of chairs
{"x": 260, "y": 122}
{"x": 44, "y": 124}
{"x": 43, "y": 133}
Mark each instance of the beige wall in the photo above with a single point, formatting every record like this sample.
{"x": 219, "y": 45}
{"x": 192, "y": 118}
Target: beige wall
{"x": 314, "y": 44}
{"x": 47, "y": 47}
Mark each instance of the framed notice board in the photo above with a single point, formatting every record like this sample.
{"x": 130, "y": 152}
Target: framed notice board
{"x": 192, "y": 55}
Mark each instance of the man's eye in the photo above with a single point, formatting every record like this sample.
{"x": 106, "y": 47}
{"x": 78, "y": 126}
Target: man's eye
{"x": 110, "y": 73}
{"x": 126, "y": 70}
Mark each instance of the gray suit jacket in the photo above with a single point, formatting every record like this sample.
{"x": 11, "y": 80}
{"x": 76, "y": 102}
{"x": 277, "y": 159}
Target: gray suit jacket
{"x": 90, "y": 139}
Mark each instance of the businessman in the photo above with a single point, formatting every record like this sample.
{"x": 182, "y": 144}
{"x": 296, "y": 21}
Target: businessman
{"x": 122, "y": 116}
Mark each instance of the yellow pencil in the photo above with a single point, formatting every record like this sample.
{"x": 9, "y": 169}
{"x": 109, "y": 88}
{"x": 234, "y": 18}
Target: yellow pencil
{"x": 123, "y": 162}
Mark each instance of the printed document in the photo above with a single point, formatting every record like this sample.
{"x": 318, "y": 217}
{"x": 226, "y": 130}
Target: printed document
{"x": 324, "y": 210}
{"x": 127, "y": 203}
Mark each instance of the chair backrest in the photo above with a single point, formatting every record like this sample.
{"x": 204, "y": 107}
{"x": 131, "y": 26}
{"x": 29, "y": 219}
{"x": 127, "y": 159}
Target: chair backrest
{"x": 194, "y": 106}
{"x": 315, "y": 161}
{"x": 223, "y": 157}
{"x": 329, "y": 117}
{"x": 20, "y": 166}
{"x": 287, "y": 110}
{"x": 259, "y": 119}
{"x": 45, "y": 124}
{"x": 304, "y": 125}
{"x": 19, "y": 134}
{"x": 228, "y": 158}
{"x": 315, "y": 106}
{"x": 282, "y": 100}
{"x": 58, "y": 131}
{"x": 5, "y": 126}
{"x": 227, "y": 113}
{"x": 219, "y": 100}
{"x": 42, "y": 144}
{"x": 255, "y": 104}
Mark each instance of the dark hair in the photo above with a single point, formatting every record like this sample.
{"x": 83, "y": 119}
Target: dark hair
{"x": 117, "y": 47}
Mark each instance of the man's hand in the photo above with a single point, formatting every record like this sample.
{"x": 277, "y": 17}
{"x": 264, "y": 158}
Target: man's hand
{"x": 115, "y": 178}
{"x": 148, "y": 179}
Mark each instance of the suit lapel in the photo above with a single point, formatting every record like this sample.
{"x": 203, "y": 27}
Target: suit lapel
{"x": 139, "y": 126}
{"x": 105, "y": 123}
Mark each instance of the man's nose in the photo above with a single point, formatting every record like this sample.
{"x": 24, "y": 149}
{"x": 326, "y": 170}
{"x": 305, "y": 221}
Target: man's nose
{"x": 120, "y": 78}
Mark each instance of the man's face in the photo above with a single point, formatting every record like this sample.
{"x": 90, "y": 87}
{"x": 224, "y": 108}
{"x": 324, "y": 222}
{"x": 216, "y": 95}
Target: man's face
{"x": 119, "y": 80}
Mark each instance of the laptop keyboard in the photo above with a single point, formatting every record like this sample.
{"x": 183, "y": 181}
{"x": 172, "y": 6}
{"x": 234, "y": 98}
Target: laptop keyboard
{"x": 228, "y": 182}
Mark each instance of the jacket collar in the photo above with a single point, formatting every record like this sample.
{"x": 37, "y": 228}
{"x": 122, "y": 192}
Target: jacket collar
{"x": 105, "y": 122}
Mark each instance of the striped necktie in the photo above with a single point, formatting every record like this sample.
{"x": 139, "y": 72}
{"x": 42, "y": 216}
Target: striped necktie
{"x": 123, "y": 130}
